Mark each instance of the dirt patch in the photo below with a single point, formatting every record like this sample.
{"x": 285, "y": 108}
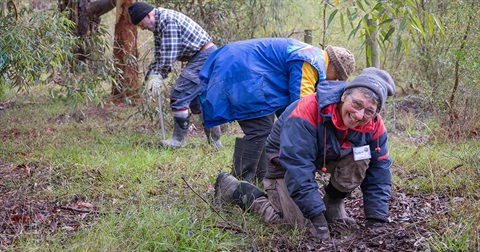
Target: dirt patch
{"x": 406, "y": 231}
{"x": 24, "y": 212}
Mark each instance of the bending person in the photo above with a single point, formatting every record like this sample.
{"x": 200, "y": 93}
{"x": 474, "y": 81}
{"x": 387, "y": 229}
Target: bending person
{"x": 250, "y": 80}
{"x": 176, "y": 37}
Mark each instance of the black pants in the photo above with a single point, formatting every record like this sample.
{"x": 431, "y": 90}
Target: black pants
{"x": 257, "y": 129}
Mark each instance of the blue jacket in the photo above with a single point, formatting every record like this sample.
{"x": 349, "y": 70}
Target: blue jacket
{"x": 254, "y": 78}
{"x": 298, "y": 141}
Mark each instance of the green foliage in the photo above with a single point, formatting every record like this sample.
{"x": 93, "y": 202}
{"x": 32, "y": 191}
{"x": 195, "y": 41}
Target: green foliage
{"x": 233, "y": 20}
{"x": 84, "y": 81}
{"x": 228, "y": 21}
{"x": 34, "y": 44}
{"x": 445, "y": 65}
{"x": 37, "y": 48}
{"x": 391, "y": 18}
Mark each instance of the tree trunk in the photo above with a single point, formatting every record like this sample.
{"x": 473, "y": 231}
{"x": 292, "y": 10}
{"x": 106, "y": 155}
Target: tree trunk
{"x": 125, "y": 51}
{"x": 86, "y": 16}
{"x": 371, "y": 42}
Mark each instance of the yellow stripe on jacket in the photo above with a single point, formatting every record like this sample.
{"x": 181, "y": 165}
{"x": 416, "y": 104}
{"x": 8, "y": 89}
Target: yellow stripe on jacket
{"x": 310, "y": 76}
{"x": 309, "y": 79}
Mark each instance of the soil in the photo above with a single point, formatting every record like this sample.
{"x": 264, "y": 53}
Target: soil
{"x": 407, "y": 229}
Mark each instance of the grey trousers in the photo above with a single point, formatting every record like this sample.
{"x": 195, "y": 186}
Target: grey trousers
{"x": 279, "y": 207}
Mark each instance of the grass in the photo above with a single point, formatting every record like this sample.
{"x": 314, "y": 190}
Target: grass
{"x": 107, "y": 158}
{"x": 427, "y": 160}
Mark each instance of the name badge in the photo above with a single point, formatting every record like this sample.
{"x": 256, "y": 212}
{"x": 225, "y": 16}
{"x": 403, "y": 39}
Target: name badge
{"x": 361, "y": 153}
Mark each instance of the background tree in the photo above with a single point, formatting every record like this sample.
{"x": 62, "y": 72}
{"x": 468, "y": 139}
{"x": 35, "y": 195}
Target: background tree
{"x": 377, "y": 21}
{"x": 86, "y": 16}
{"x": 448, "y": 71}
{"x": 125, "y": 52}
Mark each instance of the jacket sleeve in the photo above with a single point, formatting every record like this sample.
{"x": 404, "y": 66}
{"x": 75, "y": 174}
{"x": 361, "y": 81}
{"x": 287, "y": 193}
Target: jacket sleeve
{"x": 378, "y": 179}
{"x": 298, "y": 152}
{"x": 303, "y": 78}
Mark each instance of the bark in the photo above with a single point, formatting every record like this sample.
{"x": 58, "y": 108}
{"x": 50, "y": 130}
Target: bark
{"x": 101, "y": 7}
{"x": 125, "y": 51}
{"x": 86, "y": 16}
{"x": 372, "y": 45}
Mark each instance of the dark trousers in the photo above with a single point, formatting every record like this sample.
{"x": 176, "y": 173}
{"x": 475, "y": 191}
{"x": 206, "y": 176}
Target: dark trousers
{"x": 257, "y": 129}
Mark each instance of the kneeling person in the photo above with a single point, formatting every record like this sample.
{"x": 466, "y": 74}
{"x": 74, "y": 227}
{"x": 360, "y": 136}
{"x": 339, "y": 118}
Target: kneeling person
{"x": 337, "y": 130}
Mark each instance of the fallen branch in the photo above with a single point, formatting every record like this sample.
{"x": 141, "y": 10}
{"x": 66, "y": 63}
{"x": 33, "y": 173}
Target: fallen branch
{"x": 234, "y": 227}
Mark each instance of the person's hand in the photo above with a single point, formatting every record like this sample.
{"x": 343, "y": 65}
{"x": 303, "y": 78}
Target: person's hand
{"x": 154, "y": 85}
{"x": 321, "y": 227}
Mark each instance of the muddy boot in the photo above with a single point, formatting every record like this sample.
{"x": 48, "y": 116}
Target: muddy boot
{"x": 321, "y": 228}
{"x": 225, "y": 185}
{"x": 336, "y": 210}
{"x": 213, "y": 136}
{"x": 229, "y": 190}
{"x": 246, "y": 156}
{"x": 180, "y": 130}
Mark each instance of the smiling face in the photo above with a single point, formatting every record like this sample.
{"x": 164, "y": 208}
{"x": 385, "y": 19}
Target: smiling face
{"x": 148, "y": 22}
{"x": 357, "y": 108}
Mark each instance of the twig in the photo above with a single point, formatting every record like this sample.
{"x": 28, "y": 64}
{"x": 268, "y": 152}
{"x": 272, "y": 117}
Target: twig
{"x": 128, "y": 118}
{"x": 78, "y": 210}
{"x": 234, "y": 227}
{"x": 457, "y": 166}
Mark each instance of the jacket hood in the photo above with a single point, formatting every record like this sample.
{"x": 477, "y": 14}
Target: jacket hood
{"x": 329, "y": 92}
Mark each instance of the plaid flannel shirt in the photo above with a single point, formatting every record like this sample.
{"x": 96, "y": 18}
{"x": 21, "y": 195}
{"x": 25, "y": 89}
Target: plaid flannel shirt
{"x": 177, "y": 37}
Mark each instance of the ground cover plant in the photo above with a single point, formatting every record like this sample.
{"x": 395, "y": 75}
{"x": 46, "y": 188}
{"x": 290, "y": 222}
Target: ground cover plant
{"x": 93, "y": 178}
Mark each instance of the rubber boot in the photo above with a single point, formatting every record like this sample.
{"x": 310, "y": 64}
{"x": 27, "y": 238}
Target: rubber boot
{"x": 180, "y": 130}
{"x": 336, "y": 210}
{"x": 225, "y": 185}
{"x": 246, "y": 156}
{"x": 241, "y": 193}
{"x": 321, "y": 227}
{"x": 262, "y": 167}
{"x": 213, "y": 136}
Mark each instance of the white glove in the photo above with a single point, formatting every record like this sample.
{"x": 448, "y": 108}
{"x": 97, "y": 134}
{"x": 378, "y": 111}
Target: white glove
{"x": 154, "y": 85}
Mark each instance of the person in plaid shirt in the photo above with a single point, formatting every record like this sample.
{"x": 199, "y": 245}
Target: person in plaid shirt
{"x": 177, "y": 37}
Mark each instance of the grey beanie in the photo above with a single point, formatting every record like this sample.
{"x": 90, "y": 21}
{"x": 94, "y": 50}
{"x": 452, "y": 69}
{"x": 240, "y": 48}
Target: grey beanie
{"x": 377, "y": 80}
{"x": 343, "y": 61}
{"x": 138, "y": 11}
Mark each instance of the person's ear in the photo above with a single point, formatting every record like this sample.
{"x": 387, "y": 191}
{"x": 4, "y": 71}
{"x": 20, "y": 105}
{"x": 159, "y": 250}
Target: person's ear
{"x": 151, "y": 15}
{"x": 342, "y": 99}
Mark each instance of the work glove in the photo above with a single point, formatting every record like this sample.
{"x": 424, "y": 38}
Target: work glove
{"x": 154, "y": 85}
{"x": 321, "y": 227}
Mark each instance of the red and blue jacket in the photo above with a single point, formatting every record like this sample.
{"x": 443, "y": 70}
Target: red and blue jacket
{"x": 312, "y": 126}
